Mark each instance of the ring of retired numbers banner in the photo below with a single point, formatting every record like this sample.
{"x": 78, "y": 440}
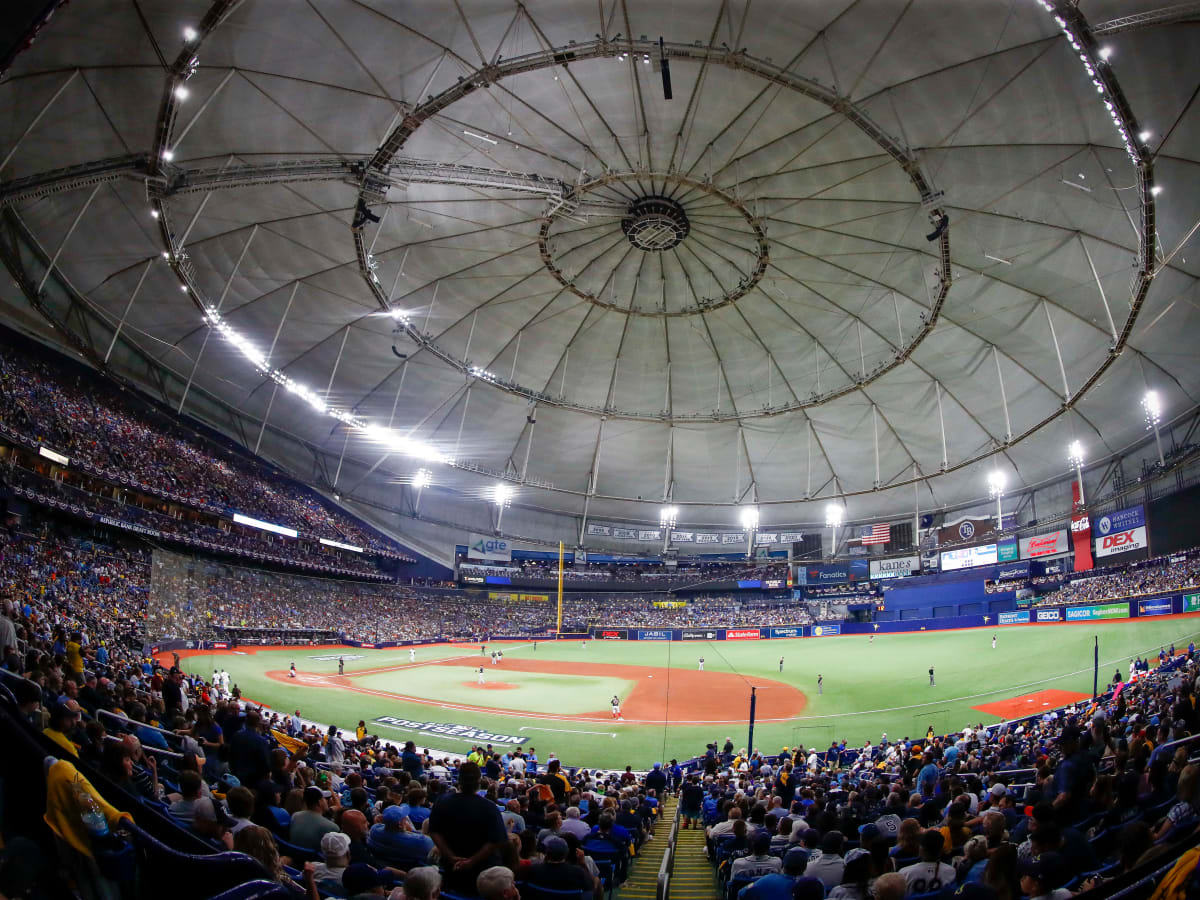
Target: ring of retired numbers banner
{"x": 579, "y": 195}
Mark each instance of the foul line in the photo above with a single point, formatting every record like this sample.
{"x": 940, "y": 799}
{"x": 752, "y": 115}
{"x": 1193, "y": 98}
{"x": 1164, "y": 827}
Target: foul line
{"x": 565, "y": 730}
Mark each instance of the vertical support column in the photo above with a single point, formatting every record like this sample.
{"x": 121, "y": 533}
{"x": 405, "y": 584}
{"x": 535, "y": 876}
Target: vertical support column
{"x": 942, "y": 425}
{"x": 875, "y": 426}
{"x": 67, "y": 237}
{"x": 808, "y": 481}
{"x": 1003, "y": 395}
{"x": 1112, "y": 328}
{"x": 128, "y": 306}
{"x": 916, "y": 507}
{"x": 1062, "y": 370}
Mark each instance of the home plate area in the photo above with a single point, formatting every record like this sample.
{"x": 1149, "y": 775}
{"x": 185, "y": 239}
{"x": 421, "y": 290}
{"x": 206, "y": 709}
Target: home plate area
{"x": 1031, "y": 704}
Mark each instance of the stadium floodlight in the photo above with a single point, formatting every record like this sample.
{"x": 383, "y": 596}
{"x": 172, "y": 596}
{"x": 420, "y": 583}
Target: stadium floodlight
{"x": 189, "y": 34}
{"x": 1152, "y": 407}
{"x": 422, "y": 478}
{"x": 502, "y": 497}
{"x": 1075, "y": 457}
{"x": 833, "y": 515}
{"x": 749, "y": 520}
{"x": 667, "y": 517}
{"x": 996, "y": 482}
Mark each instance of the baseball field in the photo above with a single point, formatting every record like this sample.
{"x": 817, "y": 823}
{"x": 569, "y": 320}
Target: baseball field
{"x": 555, "y": 697}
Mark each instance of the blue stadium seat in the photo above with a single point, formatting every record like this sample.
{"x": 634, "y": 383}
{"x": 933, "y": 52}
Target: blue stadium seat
{"x": 191, "y": 876}
{"x": 537, "y": 892}
{"x": 297, "y": 853}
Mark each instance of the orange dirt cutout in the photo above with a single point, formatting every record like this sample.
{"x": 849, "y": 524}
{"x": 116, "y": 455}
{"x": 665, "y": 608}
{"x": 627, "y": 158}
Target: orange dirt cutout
{"x": 1031, "y": 704}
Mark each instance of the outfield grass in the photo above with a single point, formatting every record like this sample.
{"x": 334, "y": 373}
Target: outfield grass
{"x": 869, "y": 688}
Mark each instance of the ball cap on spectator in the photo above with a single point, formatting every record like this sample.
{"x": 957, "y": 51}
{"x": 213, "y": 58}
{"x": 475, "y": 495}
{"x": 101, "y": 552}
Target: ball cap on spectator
{"x": 393, "y": 815}
{"x": 795, "y": 860}
{"x": 762, "y": 842}
{"x": 335, "y": 844}
{"x": 555, "y": 847}
{"x": 868, "y": 832}
{"x": 360, "y": 878}
{"x": 998, "y": 790}
{"x": 856, "y": 853}
{"x": 1046, "y": 868}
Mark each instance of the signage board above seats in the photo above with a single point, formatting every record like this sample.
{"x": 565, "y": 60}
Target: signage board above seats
{"x": 742, "y": 634}
{"x": 1099, "y": 611}
{"x": 827, "y": 629}
{"x": 1120, "y": 531}
{"x": 968, "y": 557}
{"x": 897, "y": 567}
{"x": 1051, "y": 544}
{"x": 654, "y": 634}
{"x": 614, "y": 634}
{"x": 482, "y": 546}
{"x": 700, "y": 634}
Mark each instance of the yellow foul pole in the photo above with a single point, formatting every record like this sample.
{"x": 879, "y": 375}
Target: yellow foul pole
{"x": 560, "y": 581}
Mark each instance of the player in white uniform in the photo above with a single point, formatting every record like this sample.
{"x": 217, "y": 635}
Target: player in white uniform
{"x": 702, "y": 664}
{"x": 292, "y": 671}
{"x": 616, "y": 706}
{"x": 481, "y": 674}
{"x": 412, "y": 654}
{"x": 993, "y": 642}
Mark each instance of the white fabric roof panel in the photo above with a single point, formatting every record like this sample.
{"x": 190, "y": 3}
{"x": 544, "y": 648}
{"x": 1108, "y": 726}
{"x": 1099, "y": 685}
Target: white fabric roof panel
{"x": 988, "y": 97}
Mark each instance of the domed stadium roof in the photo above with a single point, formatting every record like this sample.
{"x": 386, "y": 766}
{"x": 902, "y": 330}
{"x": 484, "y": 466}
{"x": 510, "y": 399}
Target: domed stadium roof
{"x": 861, "y": 246}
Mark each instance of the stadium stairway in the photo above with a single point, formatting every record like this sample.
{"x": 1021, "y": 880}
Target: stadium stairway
{"x": 693, "y": 876}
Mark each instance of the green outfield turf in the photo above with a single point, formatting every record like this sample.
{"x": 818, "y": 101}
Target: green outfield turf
{"x": 869, "y": 687}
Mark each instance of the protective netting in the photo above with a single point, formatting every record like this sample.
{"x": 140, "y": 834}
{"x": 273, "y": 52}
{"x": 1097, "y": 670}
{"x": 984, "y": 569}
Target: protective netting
{"x": 177, "y": 606}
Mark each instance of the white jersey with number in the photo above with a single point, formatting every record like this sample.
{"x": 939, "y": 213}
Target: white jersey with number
{"x": 925, "y": 877}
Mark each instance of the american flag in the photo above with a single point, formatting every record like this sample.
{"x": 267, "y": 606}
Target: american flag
{"x": 875, "y": 534}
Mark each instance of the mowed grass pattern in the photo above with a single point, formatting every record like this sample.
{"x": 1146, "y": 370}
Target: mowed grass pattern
{"x": 869, "y": 687}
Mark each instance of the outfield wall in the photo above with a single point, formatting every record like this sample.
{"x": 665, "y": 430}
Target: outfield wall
{"x": 1142, "y": 607}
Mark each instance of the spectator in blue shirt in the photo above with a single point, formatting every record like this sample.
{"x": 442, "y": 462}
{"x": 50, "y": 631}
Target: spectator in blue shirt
{"x": 393, "y": 841}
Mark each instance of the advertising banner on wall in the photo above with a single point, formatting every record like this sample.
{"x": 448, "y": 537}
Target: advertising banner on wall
{"x": 897, "y": 567}
{"x": 792, "y": 631}
{"x": 1007, "y": 550}
{"x": 965, "y": 530}
{"x": 742, "y": 634}
{"x": 827, "y": 629}
{"x": 1051, "y": 544}
{"x": 1049, "y": 615}
{"x": 614, "y": 634}
{"x": 1020, "y": 617}
{"x": 699, "y": 634}
{"x": 826, "y": 573}
{"x": 1013, "y": 572}
{"x": 1120, "y": 531}
{"x": 482, "y": 546}
{"x": 654, "y": 634}
{"x": 968, "y": 557}
{"x": 1159, "y": 607}
{"x": 1191, "y": 602}
{"x": 1100, "y": 611}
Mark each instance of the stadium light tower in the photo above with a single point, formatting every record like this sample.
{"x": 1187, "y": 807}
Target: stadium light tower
{"x": 1075, "y": 457}
{"x": 667, "y": 517}
{"x": 1152, "y": 406}
{"x": 420, "y": 481}
{"x": 996, "y": 481}
{"x": 502, "y": 497}
{"x": 750, "y": 523}
{"x": 833, "y": 518}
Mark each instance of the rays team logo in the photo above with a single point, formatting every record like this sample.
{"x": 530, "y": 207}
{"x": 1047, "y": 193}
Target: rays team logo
{"x": 818, "y": 631}
{"x": 1104, "y": 526}
{"x": 966, "y": 530}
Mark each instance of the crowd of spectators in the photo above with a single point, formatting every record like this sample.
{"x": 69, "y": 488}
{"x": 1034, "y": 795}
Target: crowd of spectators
{"x": 108, "y": 432}
{"x": 1153, "y": 576}
{"x": 1057, "y": 804}
{"x": 650, "y": 573}
{"x": 236, "y": 540}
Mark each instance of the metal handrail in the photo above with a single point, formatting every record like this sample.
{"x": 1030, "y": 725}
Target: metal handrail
{"x": 662, "y": 884}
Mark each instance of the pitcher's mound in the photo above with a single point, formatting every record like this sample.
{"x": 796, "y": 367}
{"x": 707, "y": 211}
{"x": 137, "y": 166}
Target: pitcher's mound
{"x": 490, "y": 685}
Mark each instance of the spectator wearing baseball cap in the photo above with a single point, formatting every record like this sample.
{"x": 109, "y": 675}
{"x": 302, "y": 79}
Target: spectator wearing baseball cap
{"x": 361, "y": 882}
{"x": 828, "y": 864}
{"x": 335, "y": 847}
{"x": 309, "y": 825}
{"x": 1041, "y": 877}
{"x": 395, "y": 842}
{"x": 557, "y": 872}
